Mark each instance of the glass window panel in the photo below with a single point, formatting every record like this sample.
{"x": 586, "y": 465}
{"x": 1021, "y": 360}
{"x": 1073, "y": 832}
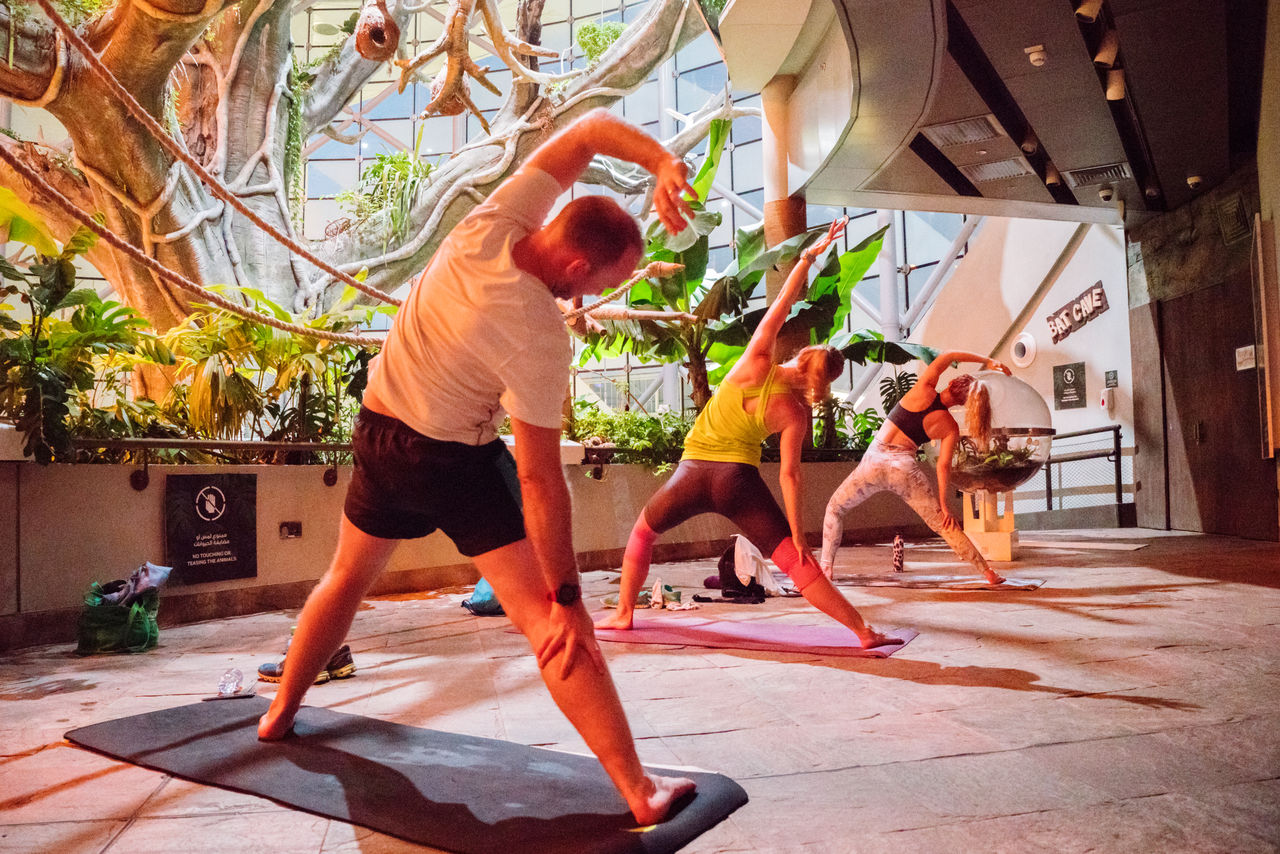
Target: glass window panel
{"x": 746, "y": 129}
{"x": 331, "y": 149}
{"x": 929, "y": 235}
{"x": 319, "y": 214}
{"x": 553, "y": 10}
{"x": 556, "y": 37}
{"x": 699, "y": 52}
{"x": 486, "y": 100}
{"x": 373, "y": 143}
{"x": 397, "y": 105}
{"x": 327, "y": 177}
{"x": 642, "y": 104}
{"x": 753, "y": 197}
{"x": 748, "y": 168}
{"x": 437, "y": 135}
{"x": 720, "y": 257}
{"x": 695, "y": 88}
{"x": 723, "y": 233}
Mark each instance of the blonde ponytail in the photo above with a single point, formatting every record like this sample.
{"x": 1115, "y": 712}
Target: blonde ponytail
{"x": 977, "y": 410}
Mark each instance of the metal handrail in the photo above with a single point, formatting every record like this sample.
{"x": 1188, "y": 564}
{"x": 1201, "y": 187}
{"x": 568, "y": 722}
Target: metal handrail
{"x": 210, "y": 444}
{"x": 1113, "y": 454}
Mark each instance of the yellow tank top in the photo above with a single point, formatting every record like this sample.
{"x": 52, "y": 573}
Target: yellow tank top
{"x": 725, "y": 432}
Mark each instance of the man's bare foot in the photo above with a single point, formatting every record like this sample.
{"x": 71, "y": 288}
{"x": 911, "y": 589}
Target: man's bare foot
{"x": 273, "y": 726}
{"x": 871, "y": 639}
{"x": 618, "y": 620}
{"x": 993, "y": 579}
{"x": 653, "y": 808}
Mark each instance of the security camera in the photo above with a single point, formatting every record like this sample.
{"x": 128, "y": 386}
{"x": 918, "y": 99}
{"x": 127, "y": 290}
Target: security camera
{"x": 1106, "y": 193}
{"x": 1194, "y": 181}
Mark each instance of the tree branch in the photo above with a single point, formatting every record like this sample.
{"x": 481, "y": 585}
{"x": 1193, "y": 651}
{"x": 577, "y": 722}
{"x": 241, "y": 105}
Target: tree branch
{"x": 476, "y": 169}
{"x": 37, "y": 55}
{"x": 338, "y": 80}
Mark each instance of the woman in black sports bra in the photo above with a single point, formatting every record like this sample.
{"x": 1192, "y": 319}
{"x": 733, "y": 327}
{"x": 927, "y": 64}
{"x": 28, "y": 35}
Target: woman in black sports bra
{"x": 890, "y": 462}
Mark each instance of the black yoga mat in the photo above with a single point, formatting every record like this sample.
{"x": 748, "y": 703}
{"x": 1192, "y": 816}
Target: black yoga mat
{"x": 449, "y": 791}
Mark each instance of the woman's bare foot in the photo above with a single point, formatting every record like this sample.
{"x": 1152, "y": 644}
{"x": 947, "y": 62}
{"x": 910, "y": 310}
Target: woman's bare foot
{"x": 992, "y": 578}
{"x": 653, "y": 807}
{"x": 619, "y": 620}
{"x": 871, "y": 639}
{"x": 274, "y": 726}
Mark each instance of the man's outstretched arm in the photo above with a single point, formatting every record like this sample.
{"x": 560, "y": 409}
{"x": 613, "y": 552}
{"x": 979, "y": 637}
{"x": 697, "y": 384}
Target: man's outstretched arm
{"x": 567, "y": 154}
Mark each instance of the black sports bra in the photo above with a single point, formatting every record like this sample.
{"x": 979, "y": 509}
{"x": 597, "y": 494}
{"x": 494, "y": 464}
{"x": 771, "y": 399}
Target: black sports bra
{"x": 911, "y": 422}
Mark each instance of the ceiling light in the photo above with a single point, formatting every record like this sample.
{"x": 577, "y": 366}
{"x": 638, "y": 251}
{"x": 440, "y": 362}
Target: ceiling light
{"x": 1107, "y": 49}
{"x": 1088, "y": 10}
{"x": 1036, "y": 55}
{"x": 1115, "y": 84}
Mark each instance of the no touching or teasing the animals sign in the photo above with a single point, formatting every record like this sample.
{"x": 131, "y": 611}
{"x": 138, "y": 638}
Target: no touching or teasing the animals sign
{"x": 1078, "y": 312}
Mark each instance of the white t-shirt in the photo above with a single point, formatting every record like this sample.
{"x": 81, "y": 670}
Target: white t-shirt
{"x": 477, "y": 335}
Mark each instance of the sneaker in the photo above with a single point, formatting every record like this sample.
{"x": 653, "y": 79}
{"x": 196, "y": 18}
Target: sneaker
{"x": 340, "y": 666}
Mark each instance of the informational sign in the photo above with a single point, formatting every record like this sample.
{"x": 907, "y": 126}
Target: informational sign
{"x": 1068, "y": 386}
{"x": 1246, "y": 358}
{"x": 1078, "y": 312}
{"x": 211, "y": 527}
{"x": 1112, "y": 379}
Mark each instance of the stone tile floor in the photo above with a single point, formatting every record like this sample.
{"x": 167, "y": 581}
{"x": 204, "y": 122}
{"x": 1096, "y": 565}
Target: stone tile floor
{"x": 1131, "y": 704}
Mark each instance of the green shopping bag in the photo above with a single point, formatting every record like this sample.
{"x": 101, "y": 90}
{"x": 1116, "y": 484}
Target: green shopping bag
{"x": 107, "y": 627}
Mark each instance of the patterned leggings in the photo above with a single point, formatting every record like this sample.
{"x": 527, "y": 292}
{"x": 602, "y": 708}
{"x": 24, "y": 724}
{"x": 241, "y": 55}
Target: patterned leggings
{"x": 892, "y": 468}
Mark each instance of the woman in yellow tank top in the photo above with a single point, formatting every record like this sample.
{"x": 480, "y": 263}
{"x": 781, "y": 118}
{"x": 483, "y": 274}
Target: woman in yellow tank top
{"x": 720, "y": 469}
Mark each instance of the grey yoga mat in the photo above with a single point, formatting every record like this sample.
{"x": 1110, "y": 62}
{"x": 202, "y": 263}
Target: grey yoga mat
{"x": 454, "y": 792}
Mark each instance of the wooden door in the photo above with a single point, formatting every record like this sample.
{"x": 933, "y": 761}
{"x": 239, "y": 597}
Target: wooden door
{"x": 1219, "y": 483}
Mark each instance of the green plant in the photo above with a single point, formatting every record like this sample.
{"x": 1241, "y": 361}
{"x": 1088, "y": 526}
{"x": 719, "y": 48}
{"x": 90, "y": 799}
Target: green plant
{"x": 711, "y": 346}
{"x": 595, "y": 37}
{"x": 49, "y": 364}
{"x": 840, "y": 426}
{"x": 868, "y": 346}
{"x": 655, "y": 441}
{"x": 389, "y": 184}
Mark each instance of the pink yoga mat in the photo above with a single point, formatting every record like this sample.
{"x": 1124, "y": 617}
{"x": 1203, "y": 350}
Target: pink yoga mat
{"x": 752, "y": 634}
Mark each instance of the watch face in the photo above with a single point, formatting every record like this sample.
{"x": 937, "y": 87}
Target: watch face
{"x": 568, "y": 594}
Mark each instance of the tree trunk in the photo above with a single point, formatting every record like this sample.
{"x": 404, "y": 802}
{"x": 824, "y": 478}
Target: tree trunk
{"x": 230, "y": 71}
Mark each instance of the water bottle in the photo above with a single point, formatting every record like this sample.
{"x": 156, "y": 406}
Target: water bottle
{"x": 230, "y": 683}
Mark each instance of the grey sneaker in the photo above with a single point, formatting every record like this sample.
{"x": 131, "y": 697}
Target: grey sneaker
{"x": 340, "y": 666}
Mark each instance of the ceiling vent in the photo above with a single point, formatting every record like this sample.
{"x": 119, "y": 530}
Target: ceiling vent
{"x": 1108, "y": 174}
{"x": 998, "y": 170}
{"x": 963, "y": 132}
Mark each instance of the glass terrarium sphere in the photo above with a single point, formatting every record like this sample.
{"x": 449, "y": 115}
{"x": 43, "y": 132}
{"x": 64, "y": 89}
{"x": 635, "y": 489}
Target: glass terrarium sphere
{"x": 1021, "y": 430}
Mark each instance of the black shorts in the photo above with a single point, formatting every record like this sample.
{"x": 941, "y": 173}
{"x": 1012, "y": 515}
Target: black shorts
{"x": 407, "y": 485}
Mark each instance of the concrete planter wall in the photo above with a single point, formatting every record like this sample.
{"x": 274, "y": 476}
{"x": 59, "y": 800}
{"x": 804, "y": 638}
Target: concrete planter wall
{"x": 63, "y": 527}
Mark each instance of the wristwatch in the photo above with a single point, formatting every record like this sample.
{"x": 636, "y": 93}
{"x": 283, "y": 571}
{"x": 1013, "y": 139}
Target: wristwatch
{"x": 566, "y": 594}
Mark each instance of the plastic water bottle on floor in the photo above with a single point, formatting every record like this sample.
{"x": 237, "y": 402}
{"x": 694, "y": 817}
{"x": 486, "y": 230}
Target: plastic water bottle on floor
{"x": 230, "y": 683}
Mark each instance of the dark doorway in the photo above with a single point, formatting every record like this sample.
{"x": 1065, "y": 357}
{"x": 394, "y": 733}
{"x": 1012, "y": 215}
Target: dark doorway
{"x": 1218, "y": 481}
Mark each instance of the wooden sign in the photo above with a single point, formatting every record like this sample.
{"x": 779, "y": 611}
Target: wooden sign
{"x": 1078, "y": 312}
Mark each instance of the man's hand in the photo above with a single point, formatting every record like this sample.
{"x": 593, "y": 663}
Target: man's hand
{"x": 669, "y": 195}
{"x": 569, "y": 631}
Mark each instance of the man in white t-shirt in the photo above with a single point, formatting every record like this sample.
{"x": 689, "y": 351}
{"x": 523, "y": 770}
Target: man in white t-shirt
{"x": 480, "y": 335}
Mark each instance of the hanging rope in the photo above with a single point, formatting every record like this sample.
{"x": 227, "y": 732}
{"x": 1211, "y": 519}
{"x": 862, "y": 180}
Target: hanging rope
{"x": 164, "y": 272}
{"x": 653, "y": 270}
{"x": 175, "y": 150}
